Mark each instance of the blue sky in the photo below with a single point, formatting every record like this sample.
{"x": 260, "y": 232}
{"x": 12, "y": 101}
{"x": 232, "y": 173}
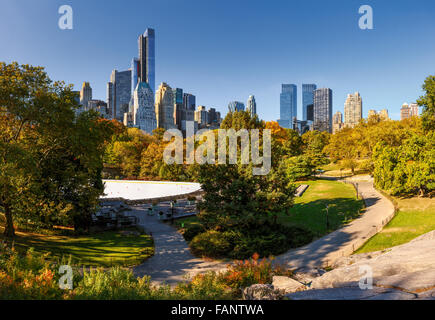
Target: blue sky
{"x": 226, "y": 50}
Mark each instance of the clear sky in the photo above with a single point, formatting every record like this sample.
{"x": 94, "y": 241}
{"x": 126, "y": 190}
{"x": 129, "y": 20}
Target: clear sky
{"x": 228, "y": 49}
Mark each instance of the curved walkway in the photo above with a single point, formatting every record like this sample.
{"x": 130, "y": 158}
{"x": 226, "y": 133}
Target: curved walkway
{"x": 343, "y": 242}
{"x": 172, "y": 260}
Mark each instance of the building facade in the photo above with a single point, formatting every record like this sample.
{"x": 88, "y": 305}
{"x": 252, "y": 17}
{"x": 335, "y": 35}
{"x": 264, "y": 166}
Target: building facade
{"x": 147, "y": 69}
{"x": 405, "y": 111}
{"x": 144, "y": 116}
{"x": 164, "y": 107}
{"x": 337, "y": 122}
{"x": 322, "y": 110}
{"x": 307, "y": 99}
{"x": 251, "y": 106}
{"x": 288, "y": 105}
{"x": 234, "y": 106}
{"x": 202, "y": 116}
{"x": 352, "y": 110}
{"x": 413, "y": 109}
{"x": 119, "y": 93}
{"x": 85, "y": 95}
{"x": 189, "y": 101}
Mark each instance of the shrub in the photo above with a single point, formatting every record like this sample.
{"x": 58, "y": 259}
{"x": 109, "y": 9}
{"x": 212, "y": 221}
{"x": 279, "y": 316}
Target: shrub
{"x": 213, "y": 244}
{"x": 191, "y": 231}
{"x": 207, "y": 286}
{"x": 264, "y": 238}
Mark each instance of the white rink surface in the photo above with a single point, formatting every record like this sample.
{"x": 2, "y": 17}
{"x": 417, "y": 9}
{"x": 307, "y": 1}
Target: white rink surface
{"x": 138, "y": 190}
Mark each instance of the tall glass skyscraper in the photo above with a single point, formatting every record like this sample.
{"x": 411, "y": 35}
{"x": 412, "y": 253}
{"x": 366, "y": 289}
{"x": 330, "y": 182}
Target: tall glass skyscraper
{"x": 119, "y": 93}
{"x": 236, "y": 106}
{"x": 307, "y": 99}
{"x": 288, "y": 105}
{"x": 147, "y": 67}
{"x": 251, "y": 106}
{"x": 323, "y": 110}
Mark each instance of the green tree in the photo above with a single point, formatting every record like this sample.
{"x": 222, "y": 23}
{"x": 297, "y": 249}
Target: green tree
{"x": 50, "y": 160}
{"x": 428, "y": 103}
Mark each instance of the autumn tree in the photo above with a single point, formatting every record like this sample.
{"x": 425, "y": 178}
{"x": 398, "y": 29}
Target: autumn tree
{"x": 50, "y": 159}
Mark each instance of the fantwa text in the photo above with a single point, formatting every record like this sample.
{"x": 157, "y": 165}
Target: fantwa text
{"x": 237, "y": 309}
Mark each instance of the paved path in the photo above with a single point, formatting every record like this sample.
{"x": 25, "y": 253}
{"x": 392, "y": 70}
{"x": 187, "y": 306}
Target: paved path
{"x": 343, "y": 242}
{"x": 172, "y": 260}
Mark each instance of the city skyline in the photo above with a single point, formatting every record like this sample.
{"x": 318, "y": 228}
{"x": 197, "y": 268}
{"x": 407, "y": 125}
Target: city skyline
{"x": 78, "y": 56}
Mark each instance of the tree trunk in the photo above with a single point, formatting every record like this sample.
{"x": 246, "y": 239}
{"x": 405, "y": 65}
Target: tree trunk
{"x": 9, "y": 228}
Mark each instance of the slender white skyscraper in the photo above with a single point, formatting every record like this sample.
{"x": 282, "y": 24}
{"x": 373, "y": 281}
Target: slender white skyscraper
{"x": 251, "y": 106}
{"x": 144, "y": 116}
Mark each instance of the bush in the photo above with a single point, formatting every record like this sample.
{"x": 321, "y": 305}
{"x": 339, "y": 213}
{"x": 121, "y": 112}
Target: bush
{"x": 191, "y": 231}
{"x": 264, "y": 238}
{"x": 213, "y": 244}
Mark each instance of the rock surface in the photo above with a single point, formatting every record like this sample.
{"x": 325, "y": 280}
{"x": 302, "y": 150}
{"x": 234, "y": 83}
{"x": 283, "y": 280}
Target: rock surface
{"x": 287, "y": 284}
{"x": 399, "y": 273}
{"x": 262, "y": 292}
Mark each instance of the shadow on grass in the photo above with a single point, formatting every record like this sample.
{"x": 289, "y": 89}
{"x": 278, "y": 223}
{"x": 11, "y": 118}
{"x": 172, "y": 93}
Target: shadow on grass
{"x": 315, "y": 216}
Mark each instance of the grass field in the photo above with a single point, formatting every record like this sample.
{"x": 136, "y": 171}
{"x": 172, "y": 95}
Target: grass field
{"x": 416, "y": 216}
{"x": 103, "y": 249}
{"x": 309, "y": 210}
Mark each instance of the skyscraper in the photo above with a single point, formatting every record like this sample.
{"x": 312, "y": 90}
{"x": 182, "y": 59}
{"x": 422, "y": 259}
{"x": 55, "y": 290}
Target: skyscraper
{"x": 323, "y": 109}
{"x": 288, "y": 105}
{"x": 405, "y": 111}
{"x": 236, "y": 106}
{"x": 179, "y": 110}
{"x": 147, "y": 69}
{"x": 144, "y": 116}
{"x": 201, "y": 116}
{"x": 307, "y": 99}
{"x": 337, "y": 122}
{"x": 85, "y": 95}
{"x": 189, "y": 101}
{"x": 119, "y": 93}
{"x": 414, "y": 109}
{"x": 164, "y": 107}
{"x": 251, "y": 106}
{"x": 352, "y": 110}
{"x": 135, "y": 65}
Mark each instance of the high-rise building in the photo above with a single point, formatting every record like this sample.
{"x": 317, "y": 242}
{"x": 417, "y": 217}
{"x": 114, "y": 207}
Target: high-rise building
{"x": 99, "y": 106}
{"x": 337, "y": 122}
{"x": 179, "y": 110}
{"x": 288, "y": 105}
{"x": 251, "y": 106}
{"x": 352, "y": 110}
{"x": 147, "y": 69}
{"x": 189, "y": 101}
{"x": 135, "y": 66}
{"x": 413, "y": 109}
{"x": 144, "y": 116}
{"x": 383, "y": 114}
{"x": 307, "y": 99}
{"x": 201, "y": 116}
{"x": 119, "y": 93}
{"x": 234, "y": 106}
{"x": 405, "y": 111}
{"x": 165, "y": 107}
{"x": 85, "y": 95}
{"x": 323, "y": 109}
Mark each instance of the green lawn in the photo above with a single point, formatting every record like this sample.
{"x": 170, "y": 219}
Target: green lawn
{"x": 309, "y": 210}
{"x": 100, "y": 249}
{"x": 416, "y": 216}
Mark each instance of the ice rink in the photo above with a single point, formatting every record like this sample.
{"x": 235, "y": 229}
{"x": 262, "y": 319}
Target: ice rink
{"x": 137, "y": 190}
